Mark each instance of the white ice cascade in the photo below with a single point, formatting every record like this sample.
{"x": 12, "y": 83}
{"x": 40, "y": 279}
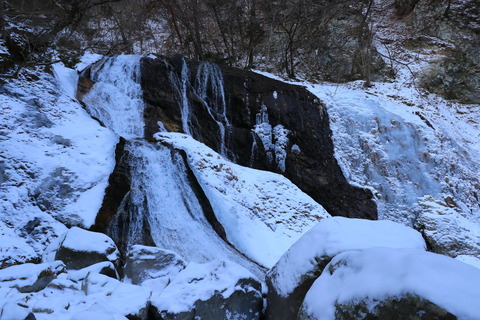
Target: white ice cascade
{"x": 162, "y": 200}
{"x": 209, "y": 87}
{"x": 181, "y": 84}
{"x": 116, "y": 97}
{"x": 275, "y": 140}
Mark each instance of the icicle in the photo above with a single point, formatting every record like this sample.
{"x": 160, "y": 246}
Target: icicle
{"x": 275, "y": 141}
{"x": 209, "y": 87}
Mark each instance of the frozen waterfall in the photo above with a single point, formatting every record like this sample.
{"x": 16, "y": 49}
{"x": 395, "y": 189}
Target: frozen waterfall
{"x": 163, "y": 201}
{"x": 116, "y": 97}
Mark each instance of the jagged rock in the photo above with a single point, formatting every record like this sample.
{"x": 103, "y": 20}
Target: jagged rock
{"x": 79, "y": 248}
{"x": 302, "y": 117}
{"x": 290, "y": 279}
{"x": 30, "y": 277}
{"x": 383, "y": 283}
{"x": 153, "y": 265}
{"x": 15, "y": 311}
{"x": 446, "y": 229}
{"x": 455, "y": 78}
{"x": 215, "y": 291}
{"x": 456, "y": 22}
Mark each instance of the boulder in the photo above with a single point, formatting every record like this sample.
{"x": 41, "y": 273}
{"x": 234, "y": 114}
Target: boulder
{"x": 290, "y": 279}
{"x": 106, "y": 268}
{"x": 125, "y": 299}
{"x": 153, "y": 265}
{"x": 79, "y": 248}
{"x": 446, "y": 229}
{"x": 30, "y": 277}
{"x": 217, "y": 290}
{"x": 384, "y": 283}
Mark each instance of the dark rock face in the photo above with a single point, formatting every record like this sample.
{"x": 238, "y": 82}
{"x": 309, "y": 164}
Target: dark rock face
{"x": 285, "y": 308}
{"x": 118, "y": 187}
{"x": 308, "y": 155}
{"x": 404, "y": 7}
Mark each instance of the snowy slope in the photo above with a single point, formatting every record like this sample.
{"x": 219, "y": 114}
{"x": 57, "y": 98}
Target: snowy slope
{"x": 46, "y": 161}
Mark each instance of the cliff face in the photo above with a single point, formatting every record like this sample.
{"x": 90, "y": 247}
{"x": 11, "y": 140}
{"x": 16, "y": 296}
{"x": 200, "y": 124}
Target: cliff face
{"x": 255, "y": 121}
{"x": 452, "y": 29}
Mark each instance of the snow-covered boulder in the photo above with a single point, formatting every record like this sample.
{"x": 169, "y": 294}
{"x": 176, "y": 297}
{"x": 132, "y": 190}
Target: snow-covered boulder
{"x": 381, "y": 283}
{"x": 30, "y": 277}
{"x": 217, "y": 290}
{"x": 262, "y": 213}
{"x": 447, "y": 230}
{"x": 79, "y": 248}
{"x": 106, "y": 268}
{"x": 289, "y": 280}
{"x": 152, "y": 266}
{"x": 13, "y": 248}
{"x": 15, "y": 311}
{"x": 128, "y": 300}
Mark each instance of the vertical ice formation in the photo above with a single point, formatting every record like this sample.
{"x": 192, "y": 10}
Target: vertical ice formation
{"x": 181, "y": 84}
{"x": 209, "y": 87}
{"x": 163, "y": 201}
{"x": 116, "y": 97}
{"x": 275, "y": 141}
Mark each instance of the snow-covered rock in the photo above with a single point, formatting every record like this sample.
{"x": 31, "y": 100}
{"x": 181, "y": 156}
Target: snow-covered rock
{"x": 382, "y": 282}
{"x": 29, "y": 277}
{"x": 152, "y": 266}
{"x": 128, "y": 300}
{"x": 262, "y": 213}
{"x": 79, "y": 248}
{"x": 15, "y": 311}
{"x": 14, "y": 249}
{"x": 218, "y": 290}
{"x": 289, "y": 280}
{"x": 447, "y": 229}
{"x": 106, "y": 268}
{"x": 49, "y": 146}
